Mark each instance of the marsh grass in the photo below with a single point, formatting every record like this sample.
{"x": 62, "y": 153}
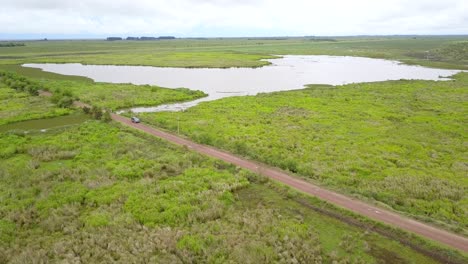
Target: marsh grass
{"x": 400, "y": 143}
{"x": 90, "y": 198}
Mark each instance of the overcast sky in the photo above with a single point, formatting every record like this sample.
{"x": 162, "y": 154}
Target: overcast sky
{"x": 230, "y": 18}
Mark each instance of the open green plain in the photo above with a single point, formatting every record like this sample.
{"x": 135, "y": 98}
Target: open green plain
{"x": 444, "y": 52}
{"x": 98, "y": 192}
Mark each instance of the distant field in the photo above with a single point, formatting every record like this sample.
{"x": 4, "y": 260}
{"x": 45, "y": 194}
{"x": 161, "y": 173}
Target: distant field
{"x": 400, "y": 143}
{"x": 444, "y": 52}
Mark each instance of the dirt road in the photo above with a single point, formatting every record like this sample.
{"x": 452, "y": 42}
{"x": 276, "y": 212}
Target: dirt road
{"x": 351, "y": 204}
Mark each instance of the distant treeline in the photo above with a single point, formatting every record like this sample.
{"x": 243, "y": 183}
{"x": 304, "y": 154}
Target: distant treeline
{"x": 267, "y": 38}
{"x": 321, "y": 39}
{"x": 311, "y": 38}
{"x": 140, "y": 38}
{"x": 12, "y": 44}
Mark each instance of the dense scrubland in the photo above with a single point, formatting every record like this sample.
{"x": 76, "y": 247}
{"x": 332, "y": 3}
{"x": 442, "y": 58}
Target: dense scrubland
{"x": 102, "y": 193}
{"x": 401, "y": 143}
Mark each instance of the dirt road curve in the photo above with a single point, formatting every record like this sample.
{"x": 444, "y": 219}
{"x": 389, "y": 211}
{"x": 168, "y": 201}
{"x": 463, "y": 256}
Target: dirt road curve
{"x": 354, "y": 205}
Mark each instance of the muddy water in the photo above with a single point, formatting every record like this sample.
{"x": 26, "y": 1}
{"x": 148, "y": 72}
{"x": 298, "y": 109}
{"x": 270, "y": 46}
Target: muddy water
{"x": 42, "y": 125}
{"x": 287, "y": 73}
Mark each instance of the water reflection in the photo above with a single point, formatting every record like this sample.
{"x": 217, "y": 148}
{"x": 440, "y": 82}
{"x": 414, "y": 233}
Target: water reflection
{"x": 286, "y": 73}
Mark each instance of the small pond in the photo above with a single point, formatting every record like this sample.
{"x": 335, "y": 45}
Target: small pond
{"x": 42, "y": 125}
{"x": 286, "y": 73}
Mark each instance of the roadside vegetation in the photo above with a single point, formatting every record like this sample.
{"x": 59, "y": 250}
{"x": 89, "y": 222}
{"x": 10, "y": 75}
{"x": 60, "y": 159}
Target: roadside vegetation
{"x": 399, "y": 143}
{"x": 102, "y": 193}
{"x": 20, "y": 102}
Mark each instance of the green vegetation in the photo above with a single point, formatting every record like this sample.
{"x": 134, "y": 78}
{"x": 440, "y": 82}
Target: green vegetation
{"x": 41, "y": 125}
{"x": 400, "y": 143}
{"x": 117, "y": 96}
{"x": 97, "y": 113}
{"x": 63, "y": 98}
{"x": 238, "y": 52}
{"x": 104, "y": 95}
{"x": 36, "y": 73}
{"x": 457, "y": 51}
{"x": 20, "y": 83}
{"x": 11, "y": 44}
{"x": 25, "y": 104}
{"x": 18, "y": 106}
{"x": 101, "y": 193}
{"x": 167, "y": 59}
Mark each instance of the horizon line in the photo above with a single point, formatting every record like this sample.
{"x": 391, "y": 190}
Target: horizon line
{"x": 231, "y": 37}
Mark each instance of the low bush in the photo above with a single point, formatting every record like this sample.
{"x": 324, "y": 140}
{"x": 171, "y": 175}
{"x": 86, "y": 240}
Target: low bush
{"x": 20, "y": 83}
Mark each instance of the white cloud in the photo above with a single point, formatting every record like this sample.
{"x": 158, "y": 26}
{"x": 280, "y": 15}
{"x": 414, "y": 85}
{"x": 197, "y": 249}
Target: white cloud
{"x": 233, "y": 18}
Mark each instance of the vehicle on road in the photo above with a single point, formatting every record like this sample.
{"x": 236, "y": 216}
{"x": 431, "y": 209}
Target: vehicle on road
{"x": 135, "y": 119}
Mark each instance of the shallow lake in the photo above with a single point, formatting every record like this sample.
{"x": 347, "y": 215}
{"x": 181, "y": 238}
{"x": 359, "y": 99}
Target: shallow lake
{"x": 42, "y": 125}
{"x": 286, "y": 73}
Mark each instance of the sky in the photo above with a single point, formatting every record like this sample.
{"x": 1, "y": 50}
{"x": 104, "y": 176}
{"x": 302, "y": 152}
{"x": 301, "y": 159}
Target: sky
{"x": 230, "y": 18}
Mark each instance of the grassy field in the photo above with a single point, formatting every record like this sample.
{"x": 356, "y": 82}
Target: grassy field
{"x": 101, "y": 193}
{"x": 444, "y": 52}
{"x": 118, "y": 96}
{"x": 400, "y": 143}
{"x": 18, "y": 106}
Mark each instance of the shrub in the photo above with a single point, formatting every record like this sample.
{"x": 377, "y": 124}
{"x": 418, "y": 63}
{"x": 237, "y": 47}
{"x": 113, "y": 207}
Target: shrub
{"x": 63, "y": 98}
{"x": 65, "y": 102}
{"x": 20, "y": 83}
